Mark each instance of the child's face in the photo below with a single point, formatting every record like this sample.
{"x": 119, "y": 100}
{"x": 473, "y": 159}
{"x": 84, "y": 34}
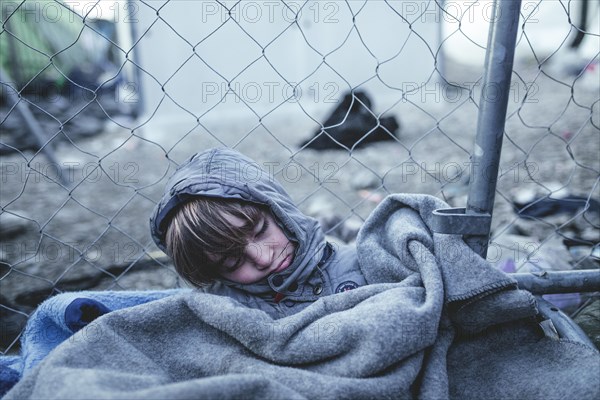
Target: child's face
{"x": 267, "y": 252}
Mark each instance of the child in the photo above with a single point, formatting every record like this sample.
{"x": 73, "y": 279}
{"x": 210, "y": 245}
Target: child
{"x": 232, "y": 230}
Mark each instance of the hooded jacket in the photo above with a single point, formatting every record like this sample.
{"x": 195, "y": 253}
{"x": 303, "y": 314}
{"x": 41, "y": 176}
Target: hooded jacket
{"x": 318, "y": 269}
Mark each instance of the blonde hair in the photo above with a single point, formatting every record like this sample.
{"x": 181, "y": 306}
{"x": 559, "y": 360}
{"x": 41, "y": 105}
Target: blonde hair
{"x": 199, "y": 233}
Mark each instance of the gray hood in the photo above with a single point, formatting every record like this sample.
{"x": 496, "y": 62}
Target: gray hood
{"x": 226, "y": 173}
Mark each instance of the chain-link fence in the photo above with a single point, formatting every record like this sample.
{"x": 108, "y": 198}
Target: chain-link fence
{"x": 101, "y": 100}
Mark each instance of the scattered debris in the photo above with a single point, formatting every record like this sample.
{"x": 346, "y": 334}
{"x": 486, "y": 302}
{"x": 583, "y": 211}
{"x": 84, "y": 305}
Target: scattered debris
{"x": 514, "y": 253}
{"x": 547, "y": 206}
{"x": 365, "y": 180}
{"x": 353, "y": 123}
{"x": 371, "y": 196}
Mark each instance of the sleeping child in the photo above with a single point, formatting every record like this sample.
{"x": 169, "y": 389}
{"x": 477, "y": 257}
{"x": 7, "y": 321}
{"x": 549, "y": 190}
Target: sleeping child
{"x": 422, "y": 324}
{"x": 232, "y": 230}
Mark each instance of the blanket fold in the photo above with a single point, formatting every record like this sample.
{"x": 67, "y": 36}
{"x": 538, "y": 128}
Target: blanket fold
{"x": 394, "y": 338}
{"x": 397, "y": 236}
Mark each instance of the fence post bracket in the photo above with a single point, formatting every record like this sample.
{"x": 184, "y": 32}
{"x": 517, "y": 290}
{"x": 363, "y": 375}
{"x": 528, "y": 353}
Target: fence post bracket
{"x": 457, "y": 221}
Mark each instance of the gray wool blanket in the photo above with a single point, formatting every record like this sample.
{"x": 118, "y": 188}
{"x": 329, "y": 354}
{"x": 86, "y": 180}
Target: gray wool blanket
{"x": 435, "y": 322}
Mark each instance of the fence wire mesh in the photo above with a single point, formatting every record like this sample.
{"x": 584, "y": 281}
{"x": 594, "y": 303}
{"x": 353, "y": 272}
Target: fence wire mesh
{"x": 101, "y": 100}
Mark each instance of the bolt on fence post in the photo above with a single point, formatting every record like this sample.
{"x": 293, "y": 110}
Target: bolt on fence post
{"x": 492, "y": 114}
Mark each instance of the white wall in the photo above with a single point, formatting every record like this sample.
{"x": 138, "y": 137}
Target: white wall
{"x": 224, "y": 52}
{"x": 391, "y": 47}
{"x": 545, "y": 29}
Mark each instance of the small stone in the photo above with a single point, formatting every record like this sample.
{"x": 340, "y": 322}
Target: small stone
{"x": 349, "y": 229}
{"x": 322, "y": 210}
{"x": 557, "y": 219}
{"x": 591, "y": 234}
{"x": 319, "y": 206}
{"x": 84, "y": 125}
{"x": 523, "y": 195}
{"x": 559, "y": 191}
{"x": 514, "y": 248}
{"x": 57, "y": 106}
{"x": 587, "y": 220}
{"x": 529, "y": 255}
{"x": 556, "y": 254}
{"x": 583, "y": 257}
{"x": 330, "y": 224}
{"x": 365, "y": 180}
{"x": 533, "y": 228}
{"x": 11, "y": 225}
{"x": 368, "y": 195}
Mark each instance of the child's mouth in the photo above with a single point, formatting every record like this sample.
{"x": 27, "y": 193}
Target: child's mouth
{"x": 284, "y": 264}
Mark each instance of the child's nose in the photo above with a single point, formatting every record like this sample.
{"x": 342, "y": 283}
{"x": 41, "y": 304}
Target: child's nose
{"x": 259, "y": 255}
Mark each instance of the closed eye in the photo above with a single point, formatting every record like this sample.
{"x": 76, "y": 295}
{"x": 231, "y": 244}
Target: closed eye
{"x": 264, "y": 227}
{"x": 231, "y": 264}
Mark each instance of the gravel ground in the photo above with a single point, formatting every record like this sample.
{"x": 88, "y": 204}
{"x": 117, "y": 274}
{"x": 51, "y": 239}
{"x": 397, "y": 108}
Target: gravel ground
{"x": 93, "y": 233}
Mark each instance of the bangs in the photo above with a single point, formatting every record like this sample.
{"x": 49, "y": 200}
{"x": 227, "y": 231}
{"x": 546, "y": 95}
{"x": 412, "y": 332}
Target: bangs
{"x": 221, "y": 236}
{"x": 200, "y": 235}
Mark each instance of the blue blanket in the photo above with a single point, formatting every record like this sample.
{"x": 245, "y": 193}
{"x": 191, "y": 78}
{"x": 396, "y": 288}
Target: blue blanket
{"x": 58, "y": 318}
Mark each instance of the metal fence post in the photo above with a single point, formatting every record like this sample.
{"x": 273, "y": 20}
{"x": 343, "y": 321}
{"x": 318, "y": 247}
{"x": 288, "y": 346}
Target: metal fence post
{"x": 474, "y": 222}
{"x": 485, "y": 158}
